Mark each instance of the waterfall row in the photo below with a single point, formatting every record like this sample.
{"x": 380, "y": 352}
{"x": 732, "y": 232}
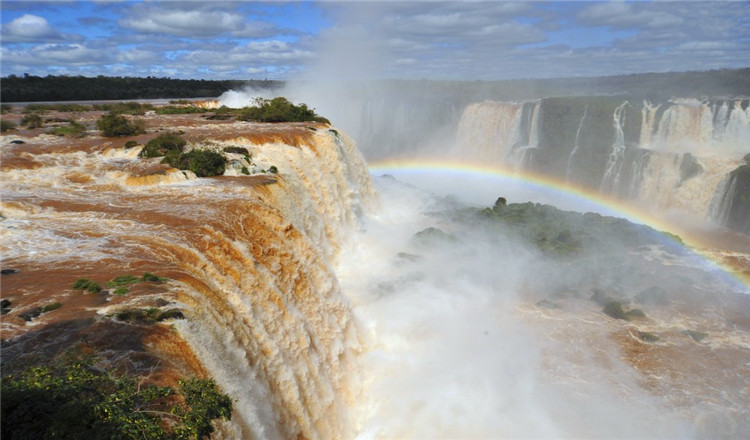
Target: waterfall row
{"x": 671, "y": 156}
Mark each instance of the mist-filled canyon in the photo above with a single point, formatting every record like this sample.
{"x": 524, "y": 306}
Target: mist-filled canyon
{"x": 440, "y": 261}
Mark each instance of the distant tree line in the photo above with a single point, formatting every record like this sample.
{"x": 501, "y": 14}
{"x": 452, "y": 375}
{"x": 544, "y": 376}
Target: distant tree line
{"x": 30, "y": 88}
{"x": 653, "y": 86}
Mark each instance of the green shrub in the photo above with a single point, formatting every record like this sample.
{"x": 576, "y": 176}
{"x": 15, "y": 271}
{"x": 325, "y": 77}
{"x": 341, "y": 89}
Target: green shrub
{"x": 237, "y": 150}
{"x": 172, "y": 110}
{"x": 6, "y": 108}
{"x": 6, "y": 126}
{"x": 148, "y": 316}
{"x": 87, "y": 284}
{"x": 151, "y": 278}
{"x": 76, "y": 398}
{"x": 72, "y": 129}
{"x": 273, "y": 170}
{"x": 120, "y": 291}
{"x": 203, "y": 163}
{"x": 123, "y": 280}
{"x": 50, "y": 307}
{"x": 131, "y": 144}
{"x": 279, "y": 110}
{"x": 116, "y": 125}
{"x": 130, "y": 108}
{"x": 245, "y": 171}
{"x": 32, "y": 120}
{"x": 163, "y": 144}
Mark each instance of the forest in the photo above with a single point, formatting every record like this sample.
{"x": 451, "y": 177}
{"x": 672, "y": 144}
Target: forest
{"x": 652, "y": 86}
{"x": 30, "y": 88}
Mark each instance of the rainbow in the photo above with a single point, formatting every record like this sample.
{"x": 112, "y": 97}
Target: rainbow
{"x": 541, "y": 182}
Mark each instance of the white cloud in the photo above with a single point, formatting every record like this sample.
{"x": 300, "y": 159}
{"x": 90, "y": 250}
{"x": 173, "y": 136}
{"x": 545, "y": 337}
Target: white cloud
{"x": 57, "y": 55}
{"x": 184, "y": 23}
{"x": 30, "y": 28}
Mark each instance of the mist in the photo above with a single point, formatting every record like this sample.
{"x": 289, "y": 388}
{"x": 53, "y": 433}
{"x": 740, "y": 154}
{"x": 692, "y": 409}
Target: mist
{"x": 458, "y": 348}
{"x": 472, "y": 330}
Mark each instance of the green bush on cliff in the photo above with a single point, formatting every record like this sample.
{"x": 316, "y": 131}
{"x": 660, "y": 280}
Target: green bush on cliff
{"x": 163, "y": 145}
{"x": 203, "y": 163}
{"x": 116, "y": 125}
{"x": 87, "y": 284}
{"x": 6, "y": 125}
{"x": 72, "y": 129}
{"x": 74, "y": 397}
{"x": 279, "y": 110}
{"x": 32, "y": 120}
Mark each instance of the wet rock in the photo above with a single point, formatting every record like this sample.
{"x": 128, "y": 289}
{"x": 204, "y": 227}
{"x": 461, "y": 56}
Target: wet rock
{"x": 647, "y": 336}
{"x": 9, "y": 271}
{"x": 689, "y": 167}
{"x": 614, "y": 309}
{"x": 695, "y": 335}
{"x": 408, "y": 257}
{"x": 17, "y": 142}
{"x": 4, "y": 306}
{"x": 31, "y": 314}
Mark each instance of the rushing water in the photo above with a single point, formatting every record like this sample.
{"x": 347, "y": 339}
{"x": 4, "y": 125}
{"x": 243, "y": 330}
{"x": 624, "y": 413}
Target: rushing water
{"x": 310, "y": 301}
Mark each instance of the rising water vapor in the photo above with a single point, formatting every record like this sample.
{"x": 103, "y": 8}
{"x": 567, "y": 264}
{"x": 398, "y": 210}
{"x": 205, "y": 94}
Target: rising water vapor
{"x": 459, "y": 350}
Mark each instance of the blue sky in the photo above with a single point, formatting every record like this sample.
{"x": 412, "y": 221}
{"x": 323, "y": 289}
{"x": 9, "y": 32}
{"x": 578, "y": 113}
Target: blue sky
{"x": 385, "y": 39}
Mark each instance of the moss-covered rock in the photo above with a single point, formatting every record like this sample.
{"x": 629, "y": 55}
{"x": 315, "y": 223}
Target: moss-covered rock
{"x": 614, "y": 310}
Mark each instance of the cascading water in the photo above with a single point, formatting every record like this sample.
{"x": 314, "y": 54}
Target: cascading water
{"x": 576, "y": 146}
{"x": 249, "y": 257}
{"x": 669, "y": 157}
{"x": 613, "y": 168}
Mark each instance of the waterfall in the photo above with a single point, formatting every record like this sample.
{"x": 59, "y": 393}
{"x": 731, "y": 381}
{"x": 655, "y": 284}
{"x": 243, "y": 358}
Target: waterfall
{"x": 249, "y": 257}
{"x": 577, "y": 145}
{"x": 613, "y": 168}
{"x": 670, "y": 156}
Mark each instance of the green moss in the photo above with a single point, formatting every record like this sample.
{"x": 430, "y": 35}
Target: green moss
{"x": 273, "y": 170}
{"x": 131, "y": 144}
{"x": 245, "y": 171}
{"x": 87, "y": 284}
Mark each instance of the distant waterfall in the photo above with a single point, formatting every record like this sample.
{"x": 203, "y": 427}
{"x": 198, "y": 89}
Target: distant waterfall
{"x": 671, "y": 155}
